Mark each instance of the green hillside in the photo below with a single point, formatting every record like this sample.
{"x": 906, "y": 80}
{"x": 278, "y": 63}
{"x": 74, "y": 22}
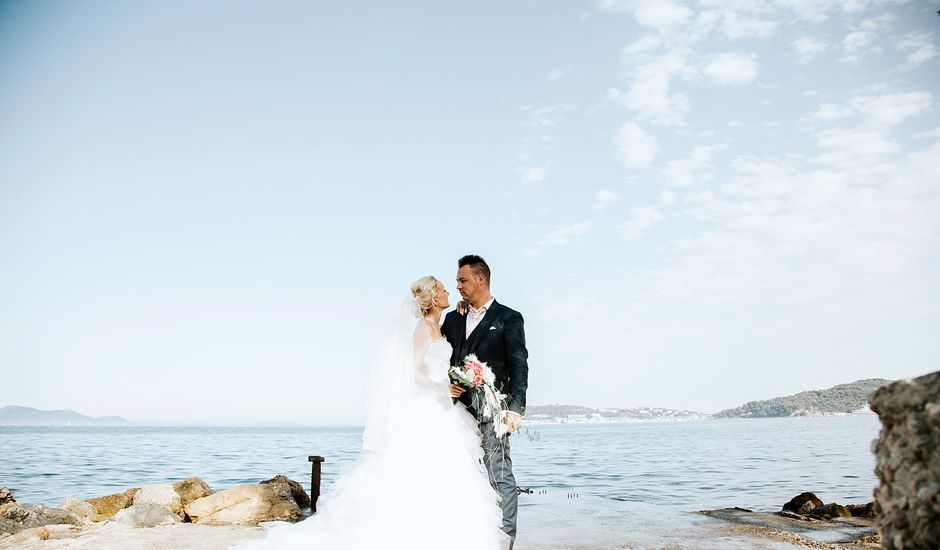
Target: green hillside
{"x": 843, "y": 398}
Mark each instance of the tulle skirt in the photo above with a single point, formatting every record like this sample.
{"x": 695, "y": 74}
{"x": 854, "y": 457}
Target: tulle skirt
{"x": 422, "y": 491}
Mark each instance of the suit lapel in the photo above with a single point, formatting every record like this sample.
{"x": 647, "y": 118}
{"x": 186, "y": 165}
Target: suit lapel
{"x": 481, "y": 328}
{"x": 460, "y": 338}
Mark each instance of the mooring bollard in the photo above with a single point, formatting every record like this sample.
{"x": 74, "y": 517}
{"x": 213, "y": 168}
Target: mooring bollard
{"x": 315, "y": 462}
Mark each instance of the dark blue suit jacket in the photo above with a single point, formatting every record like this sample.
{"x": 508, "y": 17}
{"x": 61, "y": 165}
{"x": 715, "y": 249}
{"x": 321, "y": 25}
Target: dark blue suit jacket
{"x": 498, "y": 341}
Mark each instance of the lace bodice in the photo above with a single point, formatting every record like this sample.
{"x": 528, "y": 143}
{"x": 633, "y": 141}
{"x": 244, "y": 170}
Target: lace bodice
{"x": 437, "y": 360}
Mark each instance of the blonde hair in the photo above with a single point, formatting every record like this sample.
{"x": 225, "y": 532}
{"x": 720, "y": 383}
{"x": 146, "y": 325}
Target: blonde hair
{"x": 424, "y": 290}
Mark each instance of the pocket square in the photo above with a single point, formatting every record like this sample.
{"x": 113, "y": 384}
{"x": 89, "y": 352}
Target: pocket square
{"x": 492, "y": 328}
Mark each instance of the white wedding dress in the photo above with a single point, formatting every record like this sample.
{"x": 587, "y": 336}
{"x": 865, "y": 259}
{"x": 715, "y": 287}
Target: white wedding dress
{"x": 417, "y": 484}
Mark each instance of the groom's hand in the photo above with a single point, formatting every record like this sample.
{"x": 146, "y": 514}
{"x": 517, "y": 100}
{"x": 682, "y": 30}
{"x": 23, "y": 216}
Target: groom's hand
{"x": 456, "y": 391}
{"x": 512, "y": 420}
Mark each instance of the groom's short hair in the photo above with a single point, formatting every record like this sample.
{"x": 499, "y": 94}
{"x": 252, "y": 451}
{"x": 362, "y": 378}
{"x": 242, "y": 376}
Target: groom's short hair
{"x": 477, "y": 266}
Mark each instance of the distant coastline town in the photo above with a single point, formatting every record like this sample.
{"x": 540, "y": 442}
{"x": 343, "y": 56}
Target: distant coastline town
{"x": 843, "y": 399}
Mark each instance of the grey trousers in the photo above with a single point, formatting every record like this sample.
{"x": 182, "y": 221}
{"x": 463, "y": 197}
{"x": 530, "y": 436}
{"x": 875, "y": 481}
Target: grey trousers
{"x": 499, "y": 468}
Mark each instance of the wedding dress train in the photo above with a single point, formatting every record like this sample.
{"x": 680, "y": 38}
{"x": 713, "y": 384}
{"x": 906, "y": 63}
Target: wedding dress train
{"x": 419, "y": 488}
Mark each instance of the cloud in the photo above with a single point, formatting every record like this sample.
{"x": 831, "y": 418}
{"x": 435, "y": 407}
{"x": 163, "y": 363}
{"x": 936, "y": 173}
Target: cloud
{"x": 640, "y": 221}
{"x": 782, "y": 232}
{"x": 921, "y": 47}
{"x": 935, "y": 133}
{"x": 731, "y": 69}
{"x": 833, "y": 111}
{"x": 814, "y": 11}
{"x": 604, "y": 198}
{"x": 893, "y": 108}
{"x": 884, "y": 110}
{"x": 861, "y": 41}
{"x": 735, "y": 25}
{"x": 692, "y": 170}
{"x": 857, "y": 43}
{"x": 560, "y": 237}
{"x": 848, "y": 147}
{"x": 807, "y": 48}
{"x": 644, "y": 46}
{"x": 635, "y": 147}
{"x": 662, "y": 14}
{"x": 531, "y": 175}
{"x": 546, "y": 115}
{"x": 649, "y": 95}
{"x": 558, "y": 74}
{"x": 867, "y": 144}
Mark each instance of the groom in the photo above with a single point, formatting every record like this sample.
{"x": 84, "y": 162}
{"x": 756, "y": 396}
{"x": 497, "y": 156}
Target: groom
{"x": 496, "y": 335}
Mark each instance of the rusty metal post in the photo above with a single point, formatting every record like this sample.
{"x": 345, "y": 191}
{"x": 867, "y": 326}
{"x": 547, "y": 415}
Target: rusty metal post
{"x": 315, "y": 462}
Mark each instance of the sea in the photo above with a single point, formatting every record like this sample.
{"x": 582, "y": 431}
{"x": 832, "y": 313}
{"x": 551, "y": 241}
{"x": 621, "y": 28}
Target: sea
{"x": 587, "y": 481}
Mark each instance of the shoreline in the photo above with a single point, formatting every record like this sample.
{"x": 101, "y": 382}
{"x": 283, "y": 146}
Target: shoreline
{"x": 696, "y": 530}
{"x": 548, "y": 521}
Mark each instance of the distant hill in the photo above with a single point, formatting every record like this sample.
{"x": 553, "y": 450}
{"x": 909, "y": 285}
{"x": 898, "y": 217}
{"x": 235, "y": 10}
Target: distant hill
{"x": 27, "y": 416}
{"x": 564, "y": 414}
{"x": 844, "y": 398}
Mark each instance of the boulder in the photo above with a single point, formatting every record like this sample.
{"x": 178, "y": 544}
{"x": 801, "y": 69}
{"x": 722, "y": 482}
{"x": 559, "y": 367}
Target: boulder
{"x": 830, "y": 511}
{"x": 8, "y": 526}
{"x": 161, "y": 495}
{"x": 191, "y": 489}
{"x": 145, "y": 515}
{"x": 107, "y": 506}
{"x": 27, "y": 516}
{"x": 33, "y": 537}
{"x": 802, "y": 504}
{"x": 296, "y": 489}
{"x": 83, "y": 510}
{"x": 6, "y": 495}
{"x": 246, "y": 505}
{"x": 861, "y": 510}
{"x": 907, "y": 462}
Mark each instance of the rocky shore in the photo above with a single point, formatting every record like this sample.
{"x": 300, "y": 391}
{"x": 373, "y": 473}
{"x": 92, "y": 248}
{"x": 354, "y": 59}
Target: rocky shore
{"x": 806, "y": 521}
{"x": 184, "y": 510}
{"x": 189, "y": 515}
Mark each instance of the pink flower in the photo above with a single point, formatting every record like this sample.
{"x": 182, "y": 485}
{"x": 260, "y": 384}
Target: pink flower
{"x": 477, "y": 380}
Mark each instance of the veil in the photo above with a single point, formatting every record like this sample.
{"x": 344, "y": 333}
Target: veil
{"x": 391, "y": 383}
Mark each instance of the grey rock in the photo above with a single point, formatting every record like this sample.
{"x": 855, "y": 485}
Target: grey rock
{"x": 246, "y": 505}
{"x": 861, "y": 510}
{"x": 8, "y": 526}
{"x": 907, "y": 455}
{"x": 34, "y": 515}
{"x": 82, "y": 510}
{"x": 296, "y": 489}
{"x": 162, "y": 495}
{"x": 830, "y": 511}
{"x": 191, "y": 489}
{"x": 107, "y": 506}
{"x": 802, "y": 504}
{"x": 6, "y": 495}
{"x": 145, "y": 515}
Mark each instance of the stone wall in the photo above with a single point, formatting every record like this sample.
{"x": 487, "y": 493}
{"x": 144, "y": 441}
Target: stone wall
{"x": 908, "y": 462}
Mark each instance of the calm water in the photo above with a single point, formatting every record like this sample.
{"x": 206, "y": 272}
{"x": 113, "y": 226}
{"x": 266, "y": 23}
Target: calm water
{"x": 758, "y": 464}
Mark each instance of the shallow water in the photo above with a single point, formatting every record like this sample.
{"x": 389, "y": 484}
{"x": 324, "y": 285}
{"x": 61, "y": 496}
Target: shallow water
{"x": 757, "y": 463}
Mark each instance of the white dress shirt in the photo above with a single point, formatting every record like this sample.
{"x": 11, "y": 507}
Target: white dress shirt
{"x": 474, "y": 316}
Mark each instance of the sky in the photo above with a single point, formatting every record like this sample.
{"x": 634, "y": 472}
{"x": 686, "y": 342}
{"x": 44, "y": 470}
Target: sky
{"x": 209, "y": 211}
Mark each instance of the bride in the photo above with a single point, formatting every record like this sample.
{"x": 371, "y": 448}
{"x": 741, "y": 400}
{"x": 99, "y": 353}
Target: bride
{"x": 417, "y": 484}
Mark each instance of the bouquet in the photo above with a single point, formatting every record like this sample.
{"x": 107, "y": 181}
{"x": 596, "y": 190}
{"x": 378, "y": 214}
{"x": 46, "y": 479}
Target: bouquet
{"x": 477, "y": 377}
